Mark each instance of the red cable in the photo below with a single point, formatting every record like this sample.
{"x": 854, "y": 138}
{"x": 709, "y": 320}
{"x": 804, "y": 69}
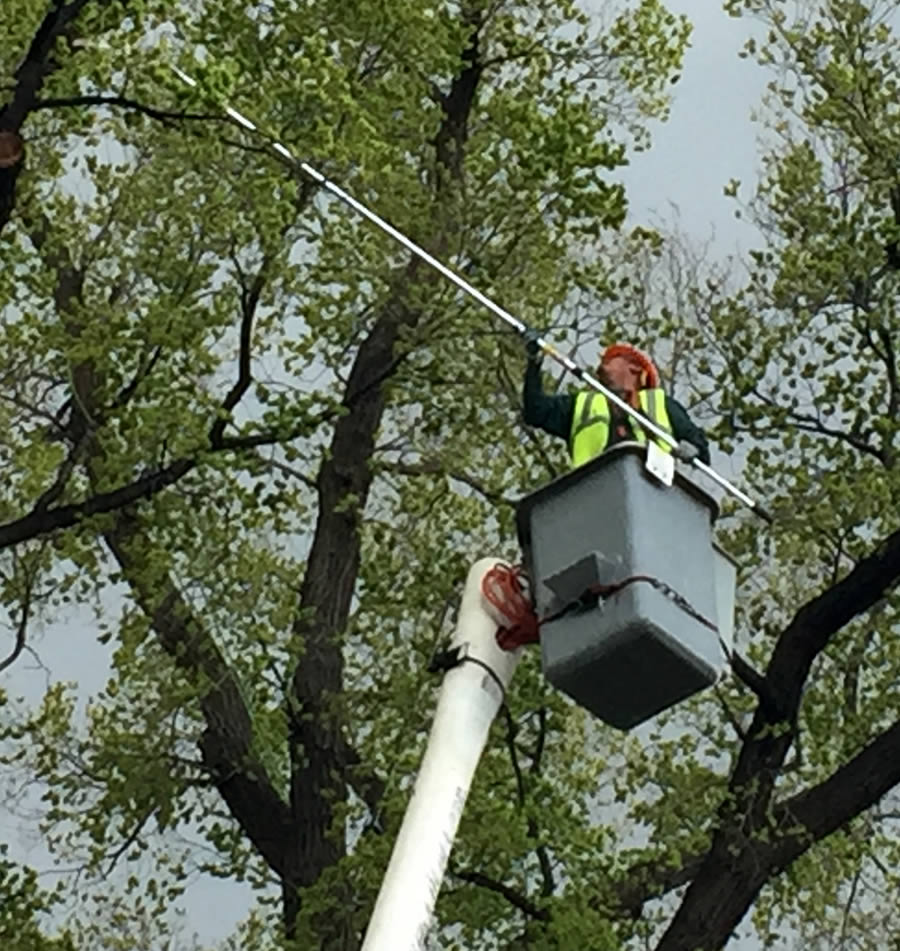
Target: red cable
{"x": 507, "y": 592}
{"x": 505, "y": 589}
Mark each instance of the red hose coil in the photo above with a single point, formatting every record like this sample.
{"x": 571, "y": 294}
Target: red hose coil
{"x": 506, "y": 590}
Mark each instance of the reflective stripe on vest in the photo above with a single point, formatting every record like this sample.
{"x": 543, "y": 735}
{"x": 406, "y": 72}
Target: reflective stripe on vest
{"x": 590, "y": 423}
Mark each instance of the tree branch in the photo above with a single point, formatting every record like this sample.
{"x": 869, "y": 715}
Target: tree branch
{"x": 744, "y": 853}
{"x": 548, "y": 881}
{"x": 813, "y": 424}
{"x": 729, "y": 714}
{"x": 124, "y": 102}
{"x": 511, "y": 731}
{"x": 648, "y": 880}
{"x": 893, "y": 378}
{"x": 130, "y": 839}
{"x": 34, "y": 67}
{"x": 249, "y": 303}
{"x": 344, "y": 479}
{"x": 302, "y": 477}
{"x": 227, "y": 743}
{"x": 816, "y": 622}
{"x": 450, "y": 141}
{"x": 29, "y": 78}
{"x": 141, "y": 374}
{"x": 21, "y": 631}
{"x": 858, "y": 785}
{"x": 64, "y": 473}
{"x": 434, "y": 468}
{"x": 514, "y": 897}
{"x": 754, "y": 681}
{"x": 38, "y": 523}
{"x": 799, "y": 644}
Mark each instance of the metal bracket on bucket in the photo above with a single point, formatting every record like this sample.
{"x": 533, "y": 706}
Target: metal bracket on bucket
{"x": 569, "y": 584}
{"x": 660, "y": 464}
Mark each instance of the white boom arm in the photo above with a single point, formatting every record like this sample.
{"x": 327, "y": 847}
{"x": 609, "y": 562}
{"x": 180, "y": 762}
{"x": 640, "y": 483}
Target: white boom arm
{"x": 470, "y": 697}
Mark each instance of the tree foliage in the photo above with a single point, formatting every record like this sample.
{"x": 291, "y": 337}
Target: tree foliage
{"x": 275, "y": 442}
{"x": 22, "y": 905}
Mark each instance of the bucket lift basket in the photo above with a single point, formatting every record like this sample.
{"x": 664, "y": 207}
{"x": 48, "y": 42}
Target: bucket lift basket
{"x": 638, "y": 600}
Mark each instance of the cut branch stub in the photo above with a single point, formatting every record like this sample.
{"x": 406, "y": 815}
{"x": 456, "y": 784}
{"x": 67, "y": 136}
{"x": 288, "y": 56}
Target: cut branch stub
{"x": 12, "y": 148}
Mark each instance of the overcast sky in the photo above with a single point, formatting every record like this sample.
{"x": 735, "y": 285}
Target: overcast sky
{"x": 708, "y": 140}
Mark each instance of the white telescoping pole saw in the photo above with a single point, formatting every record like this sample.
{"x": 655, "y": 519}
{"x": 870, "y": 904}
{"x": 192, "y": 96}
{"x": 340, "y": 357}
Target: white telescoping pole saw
{"x": 471, "y": 694}
{"x": 460, "y": 282}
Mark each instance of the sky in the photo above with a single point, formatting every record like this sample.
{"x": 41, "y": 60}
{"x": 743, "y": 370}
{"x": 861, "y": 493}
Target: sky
{"x": 708, "y": 140}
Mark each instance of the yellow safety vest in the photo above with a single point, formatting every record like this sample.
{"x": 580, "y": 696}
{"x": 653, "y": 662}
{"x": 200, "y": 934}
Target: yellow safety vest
{"x": 590, "y": 423}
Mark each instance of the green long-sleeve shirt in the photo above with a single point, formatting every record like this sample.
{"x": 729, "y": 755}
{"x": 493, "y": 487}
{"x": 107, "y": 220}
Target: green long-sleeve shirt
{"x": 553, "y": 414}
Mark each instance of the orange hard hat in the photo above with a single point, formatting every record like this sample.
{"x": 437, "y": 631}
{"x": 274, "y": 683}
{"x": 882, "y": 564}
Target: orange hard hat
{"x": 638, "y": 357}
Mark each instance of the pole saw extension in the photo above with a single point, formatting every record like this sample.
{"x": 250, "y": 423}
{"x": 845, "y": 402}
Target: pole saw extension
{"x": 544, "y": 345}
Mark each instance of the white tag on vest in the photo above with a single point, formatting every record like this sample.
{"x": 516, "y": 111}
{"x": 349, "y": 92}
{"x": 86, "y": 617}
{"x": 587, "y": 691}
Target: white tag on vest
{"x": 660, "y": 464}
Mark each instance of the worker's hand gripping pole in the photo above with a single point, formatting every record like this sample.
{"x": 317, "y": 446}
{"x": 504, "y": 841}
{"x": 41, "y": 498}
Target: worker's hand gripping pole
{"x": 482, "y": 299}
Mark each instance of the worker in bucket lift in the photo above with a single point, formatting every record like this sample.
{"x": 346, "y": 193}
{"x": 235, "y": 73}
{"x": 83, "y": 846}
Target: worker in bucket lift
{"x": 591, "y": 424}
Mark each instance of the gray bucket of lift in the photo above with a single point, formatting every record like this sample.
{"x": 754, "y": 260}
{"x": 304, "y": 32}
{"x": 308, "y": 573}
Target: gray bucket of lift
{"x": 636, "y": 652}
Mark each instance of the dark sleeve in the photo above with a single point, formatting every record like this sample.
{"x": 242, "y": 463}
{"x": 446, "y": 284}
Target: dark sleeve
{"x": 552, "y": 413}
{"x": 684, "y": 428}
